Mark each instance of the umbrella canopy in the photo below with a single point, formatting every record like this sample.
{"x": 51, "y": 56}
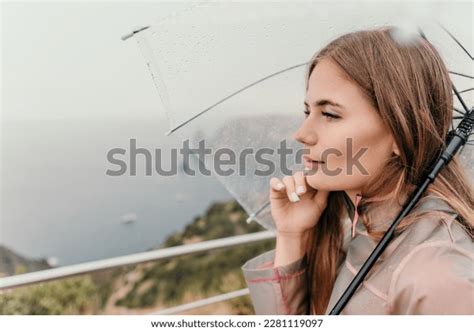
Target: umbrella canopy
{"x": 231, "y": 76}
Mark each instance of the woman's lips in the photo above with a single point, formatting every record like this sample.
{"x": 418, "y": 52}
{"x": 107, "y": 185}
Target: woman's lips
{"x": 310, "y": 164}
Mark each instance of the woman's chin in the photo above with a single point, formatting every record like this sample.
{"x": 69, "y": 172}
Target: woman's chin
{"x": 318, "y": 183}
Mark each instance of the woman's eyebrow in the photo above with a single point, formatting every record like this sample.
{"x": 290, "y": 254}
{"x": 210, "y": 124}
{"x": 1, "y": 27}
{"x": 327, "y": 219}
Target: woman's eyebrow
{"x": 324, "y": 102}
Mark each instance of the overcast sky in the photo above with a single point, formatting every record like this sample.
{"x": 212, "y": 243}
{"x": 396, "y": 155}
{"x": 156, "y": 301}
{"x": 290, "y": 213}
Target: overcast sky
{"x": 66, "y": 59}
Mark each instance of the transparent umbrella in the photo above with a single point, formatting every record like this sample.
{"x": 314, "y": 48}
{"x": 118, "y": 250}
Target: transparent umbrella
{"x": 232, "y": 76}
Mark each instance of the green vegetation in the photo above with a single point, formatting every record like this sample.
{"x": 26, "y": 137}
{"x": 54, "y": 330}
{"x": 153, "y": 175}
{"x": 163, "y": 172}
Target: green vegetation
{"x": 203, "y": 274}
{"x": 164, "y": 283}
{"x": 70, "y": 296}
{"x": 12, "y": 263}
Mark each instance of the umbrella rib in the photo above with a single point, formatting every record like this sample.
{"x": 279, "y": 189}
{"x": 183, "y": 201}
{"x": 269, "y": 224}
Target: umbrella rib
{"x": 458, "y": 94}
{"x": 259, "y": 210}
{"x": 456, "y": 40}
{"x": 131, "y": 34}
{"x": 422, "y": 34}
{"x": 233, "y": 94}
{"x": 461, "y": 100}
{"x": 460, "y": 74}
{"x": 466, "y": 90}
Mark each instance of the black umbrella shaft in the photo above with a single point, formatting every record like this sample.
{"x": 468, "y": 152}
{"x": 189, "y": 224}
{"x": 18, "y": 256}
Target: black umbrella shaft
{"x": 457, "y": 139}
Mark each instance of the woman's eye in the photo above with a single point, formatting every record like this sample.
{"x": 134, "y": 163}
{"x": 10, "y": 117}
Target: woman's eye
{"x": 330, "y": 116}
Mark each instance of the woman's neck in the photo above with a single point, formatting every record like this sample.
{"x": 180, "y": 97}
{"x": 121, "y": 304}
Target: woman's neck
{"x": 382, "y": 214}
{"x": 352, "y": 195}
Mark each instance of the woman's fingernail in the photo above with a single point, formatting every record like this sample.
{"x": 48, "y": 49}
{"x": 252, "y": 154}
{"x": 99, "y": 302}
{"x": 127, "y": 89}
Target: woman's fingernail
{"x": 294, "y": 197}
{"x": 280, "y": 186}
{"x": 300, "y": 189}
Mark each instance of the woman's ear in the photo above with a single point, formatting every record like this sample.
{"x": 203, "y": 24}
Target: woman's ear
{"x": 395, "y": 149}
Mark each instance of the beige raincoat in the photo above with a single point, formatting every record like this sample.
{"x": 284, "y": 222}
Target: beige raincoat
{"x": 427, "y": 269}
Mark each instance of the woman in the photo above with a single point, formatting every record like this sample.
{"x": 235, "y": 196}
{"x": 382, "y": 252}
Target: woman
{"x": 391, "y": 103}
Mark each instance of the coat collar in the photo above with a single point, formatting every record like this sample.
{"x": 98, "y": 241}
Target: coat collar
{"x": 385, "y": 216}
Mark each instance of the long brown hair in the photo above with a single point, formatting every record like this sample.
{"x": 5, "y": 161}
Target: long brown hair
{"x": 409, "y": 86}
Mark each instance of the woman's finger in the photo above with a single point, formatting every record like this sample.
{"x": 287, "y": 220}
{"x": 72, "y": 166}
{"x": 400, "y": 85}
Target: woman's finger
{"x": 277, "y": 189}
{"x": 276, "y": 184}
{"x": 290, "y": 188}
{"x": 300, "y": 183}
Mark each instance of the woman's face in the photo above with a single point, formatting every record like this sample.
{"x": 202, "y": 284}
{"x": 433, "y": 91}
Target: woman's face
{"x": 342, "y": 129}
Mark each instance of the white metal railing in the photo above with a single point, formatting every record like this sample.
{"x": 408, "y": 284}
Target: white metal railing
{"x": 203, "y": 302}
{"x": 159, "y": 254}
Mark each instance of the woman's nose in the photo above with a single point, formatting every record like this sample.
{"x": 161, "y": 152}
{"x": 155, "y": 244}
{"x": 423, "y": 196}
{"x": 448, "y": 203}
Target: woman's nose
{"x": 305, "y": 134}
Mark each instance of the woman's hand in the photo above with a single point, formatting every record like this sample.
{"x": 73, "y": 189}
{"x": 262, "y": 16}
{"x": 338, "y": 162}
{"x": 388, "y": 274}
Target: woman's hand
{"x": 295, "y": 206}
